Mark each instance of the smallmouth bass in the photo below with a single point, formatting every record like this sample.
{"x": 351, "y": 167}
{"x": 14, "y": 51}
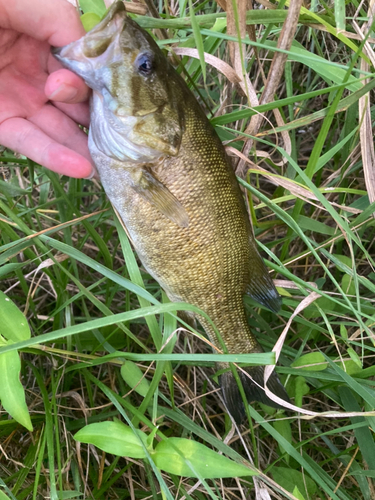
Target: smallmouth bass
{"x": 166, "y": 172}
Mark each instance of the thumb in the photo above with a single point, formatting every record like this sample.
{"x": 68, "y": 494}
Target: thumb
{"x": 65, "y": 86}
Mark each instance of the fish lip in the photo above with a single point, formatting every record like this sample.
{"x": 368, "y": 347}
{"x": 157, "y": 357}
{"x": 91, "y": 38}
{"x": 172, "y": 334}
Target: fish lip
{"x": 115, "y": 9}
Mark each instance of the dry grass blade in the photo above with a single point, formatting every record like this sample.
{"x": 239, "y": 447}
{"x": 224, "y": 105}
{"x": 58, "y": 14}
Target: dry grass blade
{"x": 279, "y": 59}
{"x": 217, "y": 63}
{"x": 263, "y": 493}
{"x": 136, "y": 8}
{"x": 46, "y": 263}
{"x": 299, "y": 191}
{"x": 290, "y": 284}
{"x": 296, "y": 189}
{"x": 277, "y": 350}
{"x": 277, "y": 68}
{"x": 364, "y": 105}
{"x": 237, "y": 12}
{"x": 236, "y": 50}
{"x": 227, "y": 71}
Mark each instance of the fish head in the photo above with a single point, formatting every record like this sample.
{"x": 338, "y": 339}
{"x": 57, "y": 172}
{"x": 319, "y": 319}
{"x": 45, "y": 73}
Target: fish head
{"x": 137, "y": 111}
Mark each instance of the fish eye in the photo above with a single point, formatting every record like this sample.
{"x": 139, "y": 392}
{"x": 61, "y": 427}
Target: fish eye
{"x": 144, "y": 63}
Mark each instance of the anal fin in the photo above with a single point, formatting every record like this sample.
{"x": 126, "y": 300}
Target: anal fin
{"x": 261, "y": 287}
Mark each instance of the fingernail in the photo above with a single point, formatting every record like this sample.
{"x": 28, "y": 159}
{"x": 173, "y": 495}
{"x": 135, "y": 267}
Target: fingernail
{"x": 64, "y": 93}
{"x": 93, "y": 173}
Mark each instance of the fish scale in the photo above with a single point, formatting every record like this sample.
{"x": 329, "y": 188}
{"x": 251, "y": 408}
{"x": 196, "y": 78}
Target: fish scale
{"x": 166, "y": 172}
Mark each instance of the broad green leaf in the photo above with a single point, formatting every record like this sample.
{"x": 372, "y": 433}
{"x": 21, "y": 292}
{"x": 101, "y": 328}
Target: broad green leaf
{"x": 12, "y": 394}
{"x": 312, "y": 358}
{"x": 290, "y": 478}
{"x": 347, "y": 261}
{"x": 343, "y": 332}
{"x": 90, "y": 20}
{"x": 354, "y": 356}
{"x": 13, "y": 324}
{"x": 283, "y": 427}
{"x": 348, "y": 285}
{"x": 114, "y": 437}
{"x": 134, "y": 377}
{"x": 298, "y": 494}
{"x": 301, "y": 389}
{"x": 366, "y": 473}
{"x": 96, "y": 6}
{"x": 3, "y": 496}
{"x": 350, "y": 367}
{"x": 283, "y": 292}
{"x": 173, "y": 454}
{"x": 324, "y": 303}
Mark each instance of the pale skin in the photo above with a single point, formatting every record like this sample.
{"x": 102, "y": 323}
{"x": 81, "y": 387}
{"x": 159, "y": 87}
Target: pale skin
{"x": 42, "y": 104}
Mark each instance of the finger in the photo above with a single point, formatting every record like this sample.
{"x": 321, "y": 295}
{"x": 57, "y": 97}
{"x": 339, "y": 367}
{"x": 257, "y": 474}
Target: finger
{"x": 62, "y": 129}
{"x": 80, "y": 112}
{"x": 56, "y": 21}
{"x": 65, "y": 86}
{"x": 26, "y": 138}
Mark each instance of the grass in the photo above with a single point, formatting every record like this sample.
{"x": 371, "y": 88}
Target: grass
{"x": 68, "y": 266}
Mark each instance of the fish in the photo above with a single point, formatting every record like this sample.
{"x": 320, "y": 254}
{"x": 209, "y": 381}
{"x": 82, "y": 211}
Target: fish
{"x": 166, "y": 172}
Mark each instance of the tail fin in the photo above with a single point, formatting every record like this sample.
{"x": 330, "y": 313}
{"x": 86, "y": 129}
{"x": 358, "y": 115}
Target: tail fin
{"x": 253, "y": 392}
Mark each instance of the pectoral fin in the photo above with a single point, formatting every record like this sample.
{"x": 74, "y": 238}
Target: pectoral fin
{"x": 261, "y": 287}
{"x": 160, "y": 197}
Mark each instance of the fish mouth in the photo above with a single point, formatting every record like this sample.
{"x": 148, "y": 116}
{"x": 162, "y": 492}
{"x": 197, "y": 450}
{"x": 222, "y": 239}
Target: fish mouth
{"x": 92, "y": 45}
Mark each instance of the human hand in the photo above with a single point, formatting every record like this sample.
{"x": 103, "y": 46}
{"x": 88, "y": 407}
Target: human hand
{"x": 40, "y": 103}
